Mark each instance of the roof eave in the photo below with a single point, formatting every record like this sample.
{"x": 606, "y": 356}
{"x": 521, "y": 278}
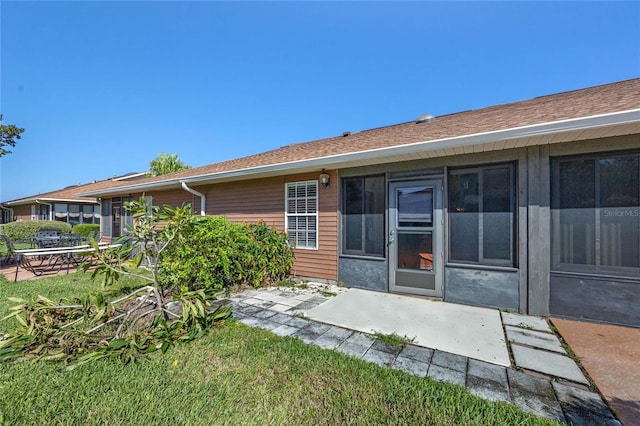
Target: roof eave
{"x": 46, "y": 200}
{"x": 583, "y": 123}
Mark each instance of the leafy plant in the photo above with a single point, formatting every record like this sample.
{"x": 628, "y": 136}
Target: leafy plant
{"x": 9, "y": 133}
{"x": 215, "y": 253}
{"x": 83, "y": 330}
{"x": 166, "y": 163}
{"x": 24, "y": 231}
{"x": 153, "y": 231}
{"x": 84, "y": 229}
{"x": 151, "y": 318}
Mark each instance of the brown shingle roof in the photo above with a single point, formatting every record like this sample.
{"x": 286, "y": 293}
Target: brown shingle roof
{"x": 597, "y": 100}
{"x": 71, "y": 192}
{"x": 593, "y": 101}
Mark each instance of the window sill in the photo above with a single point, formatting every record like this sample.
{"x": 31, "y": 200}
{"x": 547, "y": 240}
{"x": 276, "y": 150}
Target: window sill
{"x": 306, "y": 248}
{"x": 598, "y": 276}
{"x": 362, "y": 257}
{"x": 482, "y": 267}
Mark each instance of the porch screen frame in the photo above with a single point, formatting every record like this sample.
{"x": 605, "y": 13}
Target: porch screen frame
{"x": 480, "y": 225}
{"x": 595, "y": 259}
{"x": 365, "y": 220}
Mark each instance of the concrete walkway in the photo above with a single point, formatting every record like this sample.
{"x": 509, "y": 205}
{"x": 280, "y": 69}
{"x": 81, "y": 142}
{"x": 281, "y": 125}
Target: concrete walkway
{"x": 464, "y": 330}
{"x": 544, "y": 380}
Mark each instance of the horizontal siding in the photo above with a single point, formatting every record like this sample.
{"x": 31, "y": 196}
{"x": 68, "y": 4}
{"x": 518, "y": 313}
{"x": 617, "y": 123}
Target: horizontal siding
{"x": 264, "y": 200}
{"x": 323, "y": 262}
{"x": 248, "y": 201}
{"x": 175, "y": 197}
{"x": 22, "y": 213}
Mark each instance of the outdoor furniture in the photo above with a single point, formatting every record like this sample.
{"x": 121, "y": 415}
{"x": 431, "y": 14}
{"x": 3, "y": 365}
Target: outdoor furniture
{"x": 69, "y": 240}
{"x": 47, "y": 238}
{"x": 10, "y": 249}
{"x": 53, "y": 259}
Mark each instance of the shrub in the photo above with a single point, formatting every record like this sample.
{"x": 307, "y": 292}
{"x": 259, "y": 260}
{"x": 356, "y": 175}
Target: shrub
{"x": 215, "y": 253}
{"x": 23, "y": 231}
{"x": 84, "y": 229}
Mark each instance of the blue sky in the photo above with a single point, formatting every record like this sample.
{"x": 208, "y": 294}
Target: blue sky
{"x": 103, "y": 87}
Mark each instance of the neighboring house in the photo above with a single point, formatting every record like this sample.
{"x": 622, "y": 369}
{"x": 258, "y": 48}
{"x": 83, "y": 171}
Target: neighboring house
{"x": 64, "y": 205}
{"x": 532, "y": 206}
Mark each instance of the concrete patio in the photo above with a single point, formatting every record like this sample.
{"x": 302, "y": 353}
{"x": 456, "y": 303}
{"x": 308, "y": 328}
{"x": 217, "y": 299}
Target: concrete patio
{"x": 537, "y": 375}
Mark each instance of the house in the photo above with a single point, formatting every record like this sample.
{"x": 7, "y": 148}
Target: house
{"x": 532, "y": 206}
{"x": 63, "y": 205}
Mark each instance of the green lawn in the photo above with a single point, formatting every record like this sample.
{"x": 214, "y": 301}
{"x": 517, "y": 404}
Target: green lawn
{"x": 17, "y": 246}
{"x": 233, "y": 375}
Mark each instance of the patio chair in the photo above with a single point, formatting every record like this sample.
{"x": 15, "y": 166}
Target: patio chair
{"x": 10, "y": 249}
{"x": 48, "y": 238}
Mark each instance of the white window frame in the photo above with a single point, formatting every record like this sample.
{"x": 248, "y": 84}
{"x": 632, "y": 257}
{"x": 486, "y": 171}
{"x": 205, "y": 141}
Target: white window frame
{"x": 313, "y": 215}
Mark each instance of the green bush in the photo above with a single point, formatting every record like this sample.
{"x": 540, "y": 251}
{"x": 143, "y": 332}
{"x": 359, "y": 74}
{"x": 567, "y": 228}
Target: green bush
{"x": 24, "y": 231}
{"x": 84, "y": 229}
{"x": 215, "y": 253}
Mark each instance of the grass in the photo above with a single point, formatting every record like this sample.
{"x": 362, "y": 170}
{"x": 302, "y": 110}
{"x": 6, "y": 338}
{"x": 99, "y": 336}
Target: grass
{"x": 17, "y": 245}
{"x": 233, "y": 375}
{"x": 58, "y": 287}
{"x": 394, "y": 339}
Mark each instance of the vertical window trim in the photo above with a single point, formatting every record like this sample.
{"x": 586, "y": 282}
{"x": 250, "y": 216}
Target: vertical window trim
{"x": 314, "y": 215}
{"x": 105, "y": 222}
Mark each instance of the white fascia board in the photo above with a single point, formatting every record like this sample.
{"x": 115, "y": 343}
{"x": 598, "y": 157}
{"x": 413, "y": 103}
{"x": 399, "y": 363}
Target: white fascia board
{"x": 584, "y": 123}
{"x": 48, "y": 200}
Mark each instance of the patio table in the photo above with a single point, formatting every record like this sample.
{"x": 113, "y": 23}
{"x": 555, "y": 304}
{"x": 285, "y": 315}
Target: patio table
{"x": 53, "y": 257}
{"x": 50, "y": 241}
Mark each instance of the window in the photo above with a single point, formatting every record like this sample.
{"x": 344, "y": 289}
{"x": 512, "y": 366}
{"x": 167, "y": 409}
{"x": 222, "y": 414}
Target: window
{"x": 106, "y": 214}
{"x": 363, "y": 206}
{"x": 61, "y": 212}
{"x": 302, "y": 214}
{"x": 482, "y": 215}
{"x": 90, "y": 213}
{"x": 74, "y": 213}
{"x": 43, "y": 212}
{"x": 596, "y": 214}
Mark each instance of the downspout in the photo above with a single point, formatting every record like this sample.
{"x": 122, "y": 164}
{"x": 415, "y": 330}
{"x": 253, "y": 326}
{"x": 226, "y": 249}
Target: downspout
{"x": 50, "y": 208}
{"x": 203, "y": 198}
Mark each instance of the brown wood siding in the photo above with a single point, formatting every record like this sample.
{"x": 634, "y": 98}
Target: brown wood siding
{"x": 323, "y": 262}
{"x": 264, "y": 199}
{"x": 248, "y": 201}
{"x": 174, "y": 197}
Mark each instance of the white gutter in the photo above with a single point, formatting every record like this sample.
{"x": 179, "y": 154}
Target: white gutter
{"x": 48, "y": 200}
{"x": 584, "y": 123}
{"x": 203, "y": 198}
{"x": 50, "y": 208}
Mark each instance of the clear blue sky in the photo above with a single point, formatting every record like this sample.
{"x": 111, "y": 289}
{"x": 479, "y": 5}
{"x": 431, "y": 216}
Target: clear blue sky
{"x": 103, "y": 87}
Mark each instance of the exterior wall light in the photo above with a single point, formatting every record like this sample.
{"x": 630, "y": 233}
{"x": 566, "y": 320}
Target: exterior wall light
{"x": 324, "y": 178}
